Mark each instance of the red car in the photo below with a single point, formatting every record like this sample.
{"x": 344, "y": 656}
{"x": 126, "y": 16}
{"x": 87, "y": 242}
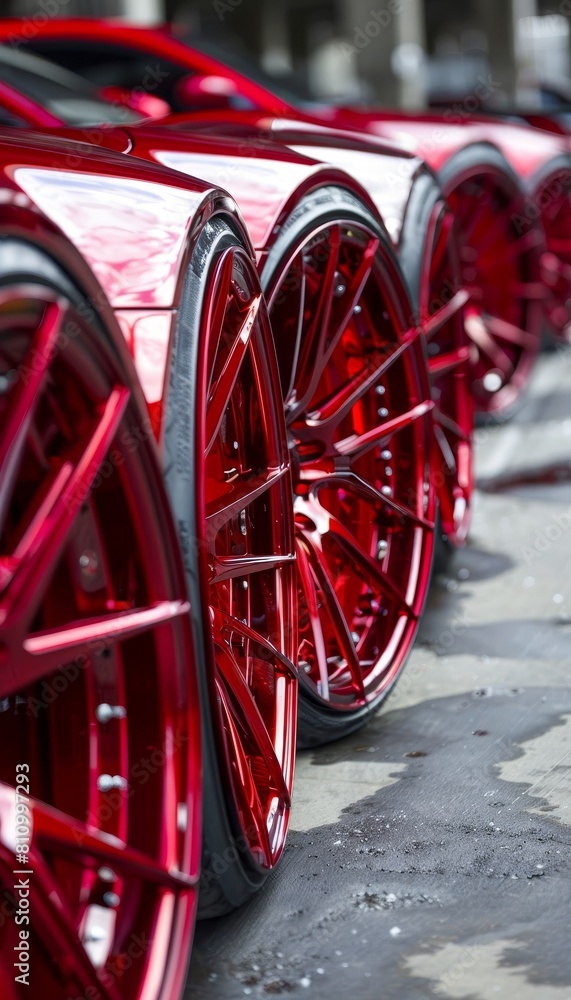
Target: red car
{"x": 505, "y": 318}
{"x": 108, "y": 669}
{"x": 357, "y": 400}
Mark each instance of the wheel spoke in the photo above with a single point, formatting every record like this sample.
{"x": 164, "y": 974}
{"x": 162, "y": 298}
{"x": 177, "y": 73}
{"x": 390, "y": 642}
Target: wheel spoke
{"x": 330, "y": 601}
{"x": 370, "y": 493}
{"x": 523, "y": 244}
{"x": 436, "y": 321}
{"x": 328, "y": 524}
{"x": 443, "y": 364}
{"x": 104, "y": 629}
{"x": 512, "y": 334}
{"x": 241, "y": 700}
{"x": 58, "y": 930}
{"x": 454, "y": 428}
{"x": 477, "y": 330}
{"x": 66, "y": 836}
{"x": 45, "y": 652}
{"x": 243, "y": 493}
{"x": 445, "y": 449}
{"x": 24, "y": 399}
{"x": 358, "y": 444}
{"x": 221, "y": 390}
{"x": 332, "y": 411}
{"x": 312, "y": 607}
{"x": 344, "y": 308}
{"x": 315, "y": 337}
{"x": 231, "y": 567}
{"x": 246, "y": 784}
{"x": 36, "y": 560}
{"x": 229, "y": 624}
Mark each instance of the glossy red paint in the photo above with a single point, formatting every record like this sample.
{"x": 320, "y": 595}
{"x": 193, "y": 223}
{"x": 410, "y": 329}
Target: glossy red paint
{"x": 437, "y": 137}
{"x": 75, "y": 202}
{"x": 358, "y": 412}
{"x": 245, "y": 519}
{"x": 25, "y": 111}
{"x": 101, "y": 727}
{"x": 132, "y": 224}
{"x": 159, "y": 44}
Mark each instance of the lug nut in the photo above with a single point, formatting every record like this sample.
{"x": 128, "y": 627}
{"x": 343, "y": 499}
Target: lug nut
{"x": 104, "y": 712}
{"x": 111, "y": 899}
{"x": 88, "y": 563}
{"x": 106, "y": 782}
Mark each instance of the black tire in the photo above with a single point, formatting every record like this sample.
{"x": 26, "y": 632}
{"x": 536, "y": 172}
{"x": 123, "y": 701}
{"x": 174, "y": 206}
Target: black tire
{"x": 230, "y": 875}
{"x": 318, "y": 723}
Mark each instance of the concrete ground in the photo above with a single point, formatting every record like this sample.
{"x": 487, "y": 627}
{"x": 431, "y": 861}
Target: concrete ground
{"x": 430, "y": 854}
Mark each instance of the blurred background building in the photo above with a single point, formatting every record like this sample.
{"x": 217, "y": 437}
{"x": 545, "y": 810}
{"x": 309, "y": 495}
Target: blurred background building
{"x": 477, "y": 53}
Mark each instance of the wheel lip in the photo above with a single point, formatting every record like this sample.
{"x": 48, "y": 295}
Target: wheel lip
{"x": 199, "y": 515}
{"x": 454, "y": 173}
{"x": 102, "y": 351}
{"x": 427, "y": 198}
{"x": 548, "y": 174}
{"x": 402, "y": 313}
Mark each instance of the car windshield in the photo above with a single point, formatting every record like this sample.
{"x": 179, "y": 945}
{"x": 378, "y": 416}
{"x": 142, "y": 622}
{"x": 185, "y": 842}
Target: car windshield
{"x": 289, "y": 87}
{"x": 65, "y": 95}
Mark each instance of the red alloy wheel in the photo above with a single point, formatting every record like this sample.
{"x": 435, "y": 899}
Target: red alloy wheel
{"x": 98, "y": 709}
{"x": 554, "y": 197}
{"x": 359, "y": 420}
{"x": 441, "y": 309}
{"x": 500, "y": 269}
{"x": 429, "y": 258}
{"x": 243, "y": 514}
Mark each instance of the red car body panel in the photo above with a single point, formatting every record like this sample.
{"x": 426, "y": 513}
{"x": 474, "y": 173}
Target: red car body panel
{"x": 156, "y": 44}
{"x": 435, "y": 137}
{"x": 25, "y": 109}
{"x": 140, "y": 218}
{"x": 131, "y": 224}
{"x": 380, "y": 167}
{"x": 283, "y": 168}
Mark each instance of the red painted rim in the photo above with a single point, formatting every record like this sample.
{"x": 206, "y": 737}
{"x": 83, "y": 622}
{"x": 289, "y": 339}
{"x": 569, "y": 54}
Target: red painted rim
{"x": 554, "y": 197}
{"x": 500, "y": 269}
{"x": 442, "y": 303}
{"x": 359, "y": 422}
{"x": 98, "y": 706}
{"x": 248, "y": 557}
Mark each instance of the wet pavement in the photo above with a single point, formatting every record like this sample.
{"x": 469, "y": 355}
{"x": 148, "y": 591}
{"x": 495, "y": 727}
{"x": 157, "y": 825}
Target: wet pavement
{"x": 430, "y": 854}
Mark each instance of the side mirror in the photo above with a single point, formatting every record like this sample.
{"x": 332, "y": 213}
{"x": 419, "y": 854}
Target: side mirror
{"x": 146, "y": 105}
{"x": 205, "y": 93}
